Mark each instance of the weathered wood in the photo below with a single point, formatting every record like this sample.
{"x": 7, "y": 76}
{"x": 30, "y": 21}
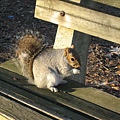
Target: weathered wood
{"x": 63, "y": 38}
{"x": 64, "y": 35}
{"x": 81, "y": 19}
{"x": 81, "y": 42}
{"x": 115, "y": 3}
{"x": 5, "y": 117}
{"x": 11, "y": 110}
{"x": 44, "y": 105}
{"x": 71, "y": 95}
{"x": 74, "y": 101}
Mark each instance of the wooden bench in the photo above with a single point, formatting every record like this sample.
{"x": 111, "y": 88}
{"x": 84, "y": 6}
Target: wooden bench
{"x": 20, "y": 100}
{"x": 71, "y": 18}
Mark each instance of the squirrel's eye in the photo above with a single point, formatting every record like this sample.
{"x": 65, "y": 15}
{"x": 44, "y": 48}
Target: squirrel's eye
{"x": 72, "y": 59}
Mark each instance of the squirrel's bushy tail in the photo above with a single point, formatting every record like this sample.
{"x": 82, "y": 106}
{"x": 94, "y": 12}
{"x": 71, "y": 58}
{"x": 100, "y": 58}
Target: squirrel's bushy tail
{"x": 27, "y": 49}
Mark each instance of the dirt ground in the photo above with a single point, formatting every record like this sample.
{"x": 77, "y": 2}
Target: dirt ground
{"x": 103, "y": 67}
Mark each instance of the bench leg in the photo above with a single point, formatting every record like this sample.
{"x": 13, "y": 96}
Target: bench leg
{"x": 81, "y": 42}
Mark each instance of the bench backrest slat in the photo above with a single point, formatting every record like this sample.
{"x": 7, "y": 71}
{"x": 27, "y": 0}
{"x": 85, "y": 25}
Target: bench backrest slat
{"x": 114, "y": 3}
{"x": 79, "y": 18}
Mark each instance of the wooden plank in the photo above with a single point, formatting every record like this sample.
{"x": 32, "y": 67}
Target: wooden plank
{"x": 39, "y": 103}
{"x": 63, "y": 103}
{"x": 63, "y": 37}
{"x": 5, "y": 117}
{"x": 81, "y": 42}
{"x": 81, "y": 19}
{"x": 11, "y": 110}
{"x": 76, "y": 1}
{"x": 15, "y": 89}
{"x": 114, "y": 3}
{"x": 89, "y": 94}
{"x": 14, "y": 65}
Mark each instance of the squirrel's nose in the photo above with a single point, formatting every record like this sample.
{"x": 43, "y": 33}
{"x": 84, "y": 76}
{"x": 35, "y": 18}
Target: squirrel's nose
{"x": 77, "y": 66}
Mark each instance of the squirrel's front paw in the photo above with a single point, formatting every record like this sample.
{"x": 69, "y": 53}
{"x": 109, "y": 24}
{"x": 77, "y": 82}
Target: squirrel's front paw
{"x": 76, "y": 71}
{"x": 53, "y": 89}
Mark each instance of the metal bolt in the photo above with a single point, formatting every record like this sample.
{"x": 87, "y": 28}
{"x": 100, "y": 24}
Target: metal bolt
{"x": 62, "y": 13}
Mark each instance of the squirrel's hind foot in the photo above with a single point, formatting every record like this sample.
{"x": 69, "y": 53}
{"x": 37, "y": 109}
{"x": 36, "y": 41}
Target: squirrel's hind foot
{"x": 53, "y": 89}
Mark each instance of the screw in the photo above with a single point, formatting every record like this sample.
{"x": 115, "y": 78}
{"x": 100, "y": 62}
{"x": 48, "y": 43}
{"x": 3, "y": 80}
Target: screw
{"x": 62, "y": 13}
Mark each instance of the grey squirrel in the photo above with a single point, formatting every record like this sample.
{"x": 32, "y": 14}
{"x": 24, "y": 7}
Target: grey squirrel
{"x": 46, "y": 67}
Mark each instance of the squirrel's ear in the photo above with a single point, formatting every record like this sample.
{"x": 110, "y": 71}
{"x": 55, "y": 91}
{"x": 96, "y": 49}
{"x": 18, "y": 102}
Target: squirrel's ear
{"x": 66, "y": 51}
{"x": 72, "y": 46}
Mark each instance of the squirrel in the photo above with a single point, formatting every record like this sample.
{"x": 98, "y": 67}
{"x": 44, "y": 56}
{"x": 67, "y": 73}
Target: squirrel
{"x": 44, "y": 66}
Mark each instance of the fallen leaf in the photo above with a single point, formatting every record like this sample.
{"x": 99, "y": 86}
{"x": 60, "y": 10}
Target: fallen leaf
{"x": 116, "y": 88}
{"x": 118, "y": 72}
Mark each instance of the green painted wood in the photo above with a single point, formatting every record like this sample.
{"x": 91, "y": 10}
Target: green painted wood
{"x": 19, "y": 112}
{"x": 40, "y": 104}
{"x": 115, "y": 3}
{"x": 49, "y": 100}
{"x": 12, "y": 65}
{"x": 74, "y": 96}
{"x": 81, "y": 42}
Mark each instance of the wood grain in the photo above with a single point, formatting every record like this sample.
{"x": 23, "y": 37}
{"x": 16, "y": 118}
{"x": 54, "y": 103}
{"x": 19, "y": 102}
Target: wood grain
{"x": 79, "y": 18}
